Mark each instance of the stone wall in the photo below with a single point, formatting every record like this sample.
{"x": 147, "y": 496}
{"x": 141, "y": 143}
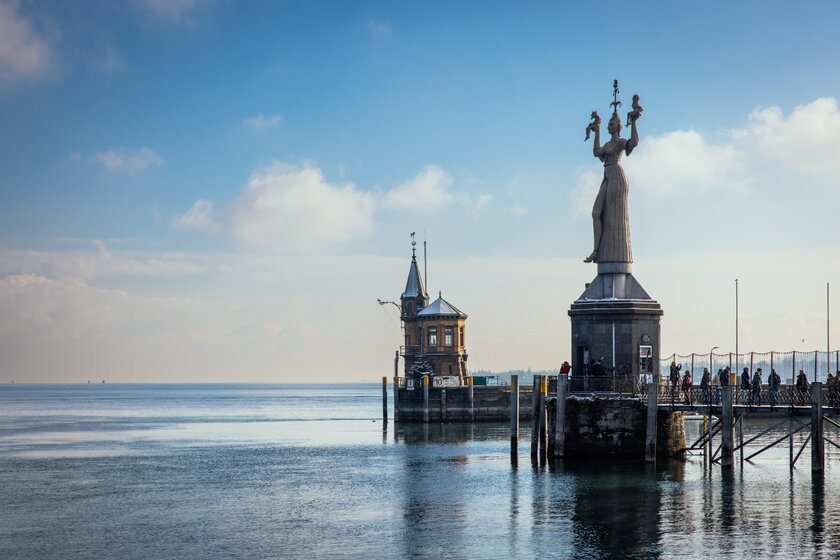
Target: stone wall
{"x": 490, "y": 403}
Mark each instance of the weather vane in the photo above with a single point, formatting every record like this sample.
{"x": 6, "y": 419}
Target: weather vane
{"x": 413, "y": 244}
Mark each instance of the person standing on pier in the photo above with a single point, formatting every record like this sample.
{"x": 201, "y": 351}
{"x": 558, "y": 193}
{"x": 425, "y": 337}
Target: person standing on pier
{"x": 802, "y": 387}
{"x": 774, "y": 381}
{"x": 675, "y": 378}
{"x": 717, "y": 382}
{"x": 686, "y": 386}
{"x": 756, "y": 387}
{"x": 746, "y": 385}
{"x": 704, "y": 384}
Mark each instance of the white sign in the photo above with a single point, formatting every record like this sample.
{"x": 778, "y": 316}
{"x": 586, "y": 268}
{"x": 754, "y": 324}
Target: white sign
{"x": 409, "y": 384}
{"x": 446, "y": 381}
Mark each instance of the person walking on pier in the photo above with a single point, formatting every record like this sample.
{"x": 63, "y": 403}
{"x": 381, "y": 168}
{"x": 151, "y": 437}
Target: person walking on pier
{"x": 686, "y": 386}
{"x": 831, "y": 384}
{"x": 705, "y": 381}
{"x": 774, "y": 381}
{"x": 746, "y": 385}
{"x": 756, "y": 387}
{"x": 802, "y": 387}
{"x": 719, "y": 381}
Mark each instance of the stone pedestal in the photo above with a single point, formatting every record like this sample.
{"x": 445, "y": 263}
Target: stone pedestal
{"x": 615, "y": 319}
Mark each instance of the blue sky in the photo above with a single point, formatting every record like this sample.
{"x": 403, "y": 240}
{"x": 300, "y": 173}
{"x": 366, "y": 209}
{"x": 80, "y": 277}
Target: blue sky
{"x": 210, "y": 190}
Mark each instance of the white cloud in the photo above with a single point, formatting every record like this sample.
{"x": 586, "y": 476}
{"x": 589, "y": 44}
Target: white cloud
{"x": 127, "y": 160}
{"x": 24, "y": 55}
{"x": 474, "y": 206}
{"x": 806, "y": 141}
{"x": 428, "y": 190}
{"x": 517, "y": 210}
{"x": 684, "y": 160}
{"x": 287, "y": 207}
{"x": 261, "y": 122}
{"x": 379, "y": 28}
{"x": 583, "y": 193}
{"x": 200, "y": 218}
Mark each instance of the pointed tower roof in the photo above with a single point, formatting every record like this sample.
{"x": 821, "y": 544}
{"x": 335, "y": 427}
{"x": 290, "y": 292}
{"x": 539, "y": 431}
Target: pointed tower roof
{"x": 443, "y": 308}
{"x": 414, "y": 284}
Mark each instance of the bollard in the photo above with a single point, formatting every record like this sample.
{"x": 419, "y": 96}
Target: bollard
{"x": 514, "y": 413}
{"x": 650, "y": 436}
{"x": 425, "y": 398}
{"x": 817, "y": 444}
{"x": 443, "y": 405}
{"x": 726, "y": 439}
{"x": 560, "y": 416}
{"x": 471, "y": 397}
{"x": 385, "y": 399}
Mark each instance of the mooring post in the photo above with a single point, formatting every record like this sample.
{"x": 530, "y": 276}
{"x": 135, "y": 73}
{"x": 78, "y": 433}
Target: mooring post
{"x": 385, "y": 399}
{"x": 535, "y": 416}
{"x": 726, "y": 439}
{"x": 425, "y": 398}
{"x": 650, "y": 437}
{"x": 790, "y": 438}
{"x": 817, "y": 444}
{"x": 471, "y": 397}
{"x": 560, "y": 416}
{"x": 514, "y": 413}
{"x": 741, "y": 438}
{"x": 443, "y": 405}
{"x": 396, "y": 398}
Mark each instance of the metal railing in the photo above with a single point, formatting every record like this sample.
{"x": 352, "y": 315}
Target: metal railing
{"x": 785, "y": 396}
{"x": 815, "y": 364}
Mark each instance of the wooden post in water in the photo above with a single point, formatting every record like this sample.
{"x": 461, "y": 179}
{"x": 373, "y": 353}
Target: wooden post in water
{"x": 741, "y": 438}
{"x": 790, "y": 438}
{"x": 726, "y": 439}
{"x": 560, "y": 416}
{"x": 543, "y": 416}
{"x": 385, "y": 399}
{"x": 425, "y": 398}
{"x": 443, "y": 405}
{"x": 396, "y": 398}
{"x": 817, "y": 444}
{"x": 471, "y": 397}
{"x": 514, "y": 413}
{"x": 650, "y": 436}
{"x": 535, "y": 416}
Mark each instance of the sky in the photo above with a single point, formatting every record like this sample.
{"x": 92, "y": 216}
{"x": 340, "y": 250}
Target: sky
{"x": 219, "y": 191}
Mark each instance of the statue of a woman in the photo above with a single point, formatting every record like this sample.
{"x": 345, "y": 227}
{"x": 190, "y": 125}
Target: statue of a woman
{"x": 609, "y": 214}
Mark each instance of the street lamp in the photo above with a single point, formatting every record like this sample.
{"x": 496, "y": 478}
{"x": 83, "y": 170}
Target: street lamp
{"x": 711, "y": 367}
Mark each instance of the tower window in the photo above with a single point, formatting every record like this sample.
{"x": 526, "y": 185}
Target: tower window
{"x": 432, "y": 336}
{"x": 448, "y": 336}
{"x": 461, "y": 336}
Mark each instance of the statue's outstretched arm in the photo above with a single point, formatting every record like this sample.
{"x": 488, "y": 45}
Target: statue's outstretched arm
{"x": 634, "y": 137}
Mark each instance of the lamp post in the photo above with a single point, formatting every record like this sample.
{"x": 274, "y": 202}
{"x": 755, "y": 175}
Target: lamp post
{"x": 711, "y": 367}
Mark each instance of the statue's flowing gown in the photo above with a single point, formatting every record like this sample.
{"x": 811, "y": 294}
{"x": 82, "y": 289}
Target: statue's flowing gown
{"x": 615, "y": 236}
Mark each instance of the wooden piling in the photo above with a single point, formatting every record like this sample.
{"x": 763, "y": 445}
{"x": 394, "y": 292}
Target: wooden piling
{"x": 514, "y": 413}
{"x": 543, "y": 446}
{"x": 817, "y": 443}
{"x": 471, "y": 397}
{"x": 396, "y": 399}
{"x": 425, "y": 398}
{"x": 535, "y": 416}
{"x": 741, "y": 438}
{"x": 790, "y": 438}
{"x": 726, "y": 439}
{"x": 385, "y": 399}
{"x": 650, "y": 437}
{"x": 443, "y": 405}
{"x": 560, "y": 416}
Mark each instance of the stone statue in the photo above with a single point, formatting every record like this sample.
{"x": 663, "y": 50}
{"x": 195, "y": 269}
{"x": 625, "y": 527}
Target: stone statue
{"x": 609, "y": 214}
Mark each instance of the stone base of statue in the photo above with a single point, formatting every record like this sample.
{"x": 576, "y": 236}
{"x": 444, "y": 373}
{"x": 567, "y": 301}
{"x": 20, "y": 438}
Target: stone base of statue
{"x": 614, "y": 321}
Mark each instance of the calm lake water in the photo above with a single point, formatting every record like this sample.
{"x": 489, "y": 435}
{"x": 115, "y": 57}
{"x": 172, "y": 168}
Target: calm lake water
{"x": 310, "y": 471}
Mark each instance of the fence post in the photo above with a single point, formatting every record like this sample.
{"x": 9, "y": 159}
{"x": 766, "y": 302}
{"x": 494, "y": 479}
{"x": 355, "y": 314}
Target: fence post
{"x": 650, "y": 436}
{"x": 425, "y": 398}
{"x": 560, "y": 416}
{"x": 692, "y": 366}
{"x": 726, "y": 440}
{"x": 817, "y": 444}
{"x": 514, "y": 413}
{"x": 752, "y": 362}
{"x": 816, "y": 361}
{"x": 793, "y": 371}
